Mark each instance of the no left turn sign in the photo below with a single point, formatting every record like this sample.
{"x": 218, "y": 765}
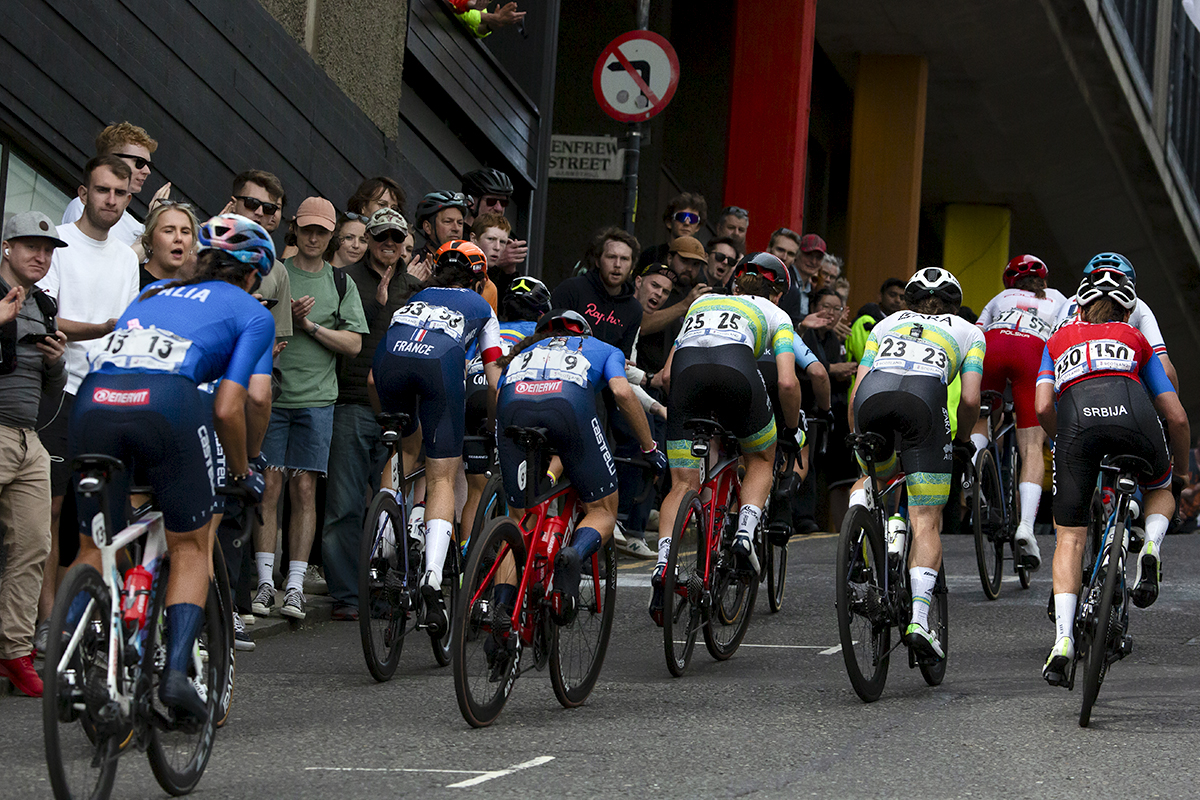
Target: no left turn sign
{"x": 636, "y": 76}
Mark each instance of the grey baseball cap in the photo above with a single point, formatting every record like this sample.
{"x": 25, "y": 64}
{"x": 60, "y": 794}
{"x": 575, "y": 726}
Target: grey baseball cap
{"x": 387, "y": 219}
{"x": 29, "y": 224}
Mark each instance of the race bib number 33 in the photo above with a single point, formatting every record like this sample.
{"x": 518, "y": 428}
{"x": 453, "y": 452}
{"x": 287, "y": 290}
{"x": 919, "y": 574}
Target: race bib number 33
{"x": 433, "y": 318}
{"x": 142, "y": 348}
{"x": 911, "y": 355}
{"x": 1101, "y": 355}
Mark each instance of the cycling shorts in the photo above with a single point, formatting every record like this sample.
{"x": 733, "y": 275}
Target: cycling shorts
{"x": 160, "y": 427}
{"x": 1098, "y": 417}
{"x": 721, "y": 383}
{"x": 476, "y": 419}
{"x": 1014, "y": 356}
{"x": 428, "y": 386}
{"x": 910, "y": 412}
{"x": 574, "y": 431}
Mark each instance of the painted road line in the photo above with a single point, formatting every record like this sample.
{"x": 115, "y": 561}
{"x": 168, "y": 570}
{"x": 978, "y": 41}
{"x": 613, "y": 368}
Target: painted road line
{"x": 837, "y": 648}
{"x": 500, "y": 773}
{"x": 480, "y": 776}
{"x": 825, "y": 651}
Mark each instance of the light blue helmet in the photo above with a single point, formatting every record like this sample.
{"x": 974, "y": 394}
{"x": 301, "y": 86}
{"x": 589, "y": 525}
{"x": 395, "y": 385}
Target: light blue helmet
{"x": 1111, "y": 261}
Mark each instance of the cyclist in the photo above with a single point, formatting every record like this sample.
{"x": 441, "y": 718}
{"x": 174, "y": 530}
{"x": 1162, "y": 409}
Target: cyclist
{"x": 1092, "y": 398}
{"x": 420, "y": 370}
{"x": 553, "y": 379}
{"x": 900, "y": 391}
{"x": 712, "y": 371}
{"x": 1016, "y": 324}
{"x": 140, "y": 403}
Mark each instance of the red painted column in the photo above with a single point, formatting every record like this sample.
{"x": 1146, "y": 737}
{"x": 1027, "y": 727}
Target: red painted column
{"x": 768, "y": 120}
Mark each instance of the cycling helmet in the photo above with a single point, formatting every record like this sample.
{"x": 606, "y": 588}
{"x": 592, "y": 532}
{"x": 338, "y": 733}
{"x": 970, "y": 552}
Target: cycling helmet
{"x": 1107, "y": 282}
{"x": 768, "y": 267}
{"x": 1111, "y": 261}
{"x": 527, "y": 299}
{"x": 565, "y": 321}
{"x": 1021, "y": 266}
{"x": 479, "y": 182}
{"x": 933, "y": 282}
{"x": 242, "y": 238}
{"x": 434, "y": 202}
{"x": 458, "y": 252}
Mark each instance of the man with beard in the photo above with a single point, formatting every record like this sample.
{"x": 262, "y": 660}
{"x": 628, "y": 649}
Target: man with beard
{"x": 604, "y": 294}
{"x": 687, "y": 260}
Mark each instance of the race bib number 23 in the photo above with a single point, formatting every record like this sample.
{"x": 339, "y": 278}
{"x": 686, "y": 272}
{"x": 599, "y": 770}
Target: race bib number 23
{"x": 911, "y": 355}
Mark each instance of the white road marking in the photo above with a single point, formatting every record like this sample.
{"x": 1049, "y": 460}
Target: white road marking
{"x": 837, "y": 648}
{"x": 480, "y": 776}
{"x": 500, "y": 773}
{"x": 397, "y": 769}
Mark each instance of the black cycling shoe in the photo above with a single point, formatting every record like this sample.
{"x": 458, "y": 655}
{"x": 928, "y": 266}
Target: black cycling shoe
{"x": 178, "y": 694}
{"x": 567, "y": 573}
{"x": 435, "y": 606}
{"x": 656, "y": 595}
{"x": 498, "y": 647}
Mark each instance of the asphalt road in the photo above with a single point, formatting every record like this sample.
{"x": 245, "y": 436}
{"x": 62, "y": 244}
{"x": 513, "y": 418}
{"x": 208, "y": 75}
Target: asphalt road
{"x": 777, "y": 720}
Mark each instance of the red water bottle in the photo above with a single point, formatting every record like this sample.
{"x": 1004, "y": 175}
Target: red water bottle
{"x": 137, "y": 594}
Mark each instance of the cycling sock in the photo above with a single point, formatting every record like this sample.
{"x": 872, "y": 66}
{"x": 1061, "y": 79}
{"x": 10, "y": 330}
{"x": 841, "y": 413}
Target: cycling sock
{"x": 437, "y": 544}
{"x": 858, "y": 498}
{"x": 1064, "y": 615}
{"x": 76, "y": 609}
{"x": 266, "y": 567}
{"x": 922, "y": 580}
{"x": 504, "y": 594}
{"x": 416, "y": 523}
{"x": 1156, "y": 529}
{"x": 295, "y": 579}
{"x": 980, "y": 441}
{"x": 183, "y": 623}
{"x": 748, "y": 519}
{"x": 586, "y": 542}
{"x": 664, "y": 549}
{"x": 1031, "y": 496}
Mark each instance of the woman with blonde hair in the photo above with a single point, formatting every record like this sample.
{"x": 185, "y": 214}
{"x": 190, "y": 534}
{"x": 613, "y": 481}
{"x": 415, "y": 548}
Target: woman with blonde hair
{"x": 169, "y": 242}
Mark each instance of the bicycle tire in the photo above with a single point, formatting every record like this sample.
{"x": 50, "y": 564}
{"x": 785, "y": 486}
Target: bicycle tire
{"x": 228, "y": 665}
{"x": 683, "y": 584}
{"x": 988, "y": 520}
{"x": 577, "y": 651}
{"x": 1024, "y": 576}
{"x": 865, "y": 641}
{"x": 492, "y": 504}
{"x": 179, "y": 756}
{"x": 382, "y": 617}
{"x": 777, "y": 559}
{"x": 939, "y": 625}
{"x": 1096, "y": 659}
{"x": 71, "y": 738}
{"x": 732, "y": 589}
{"x": 481, "y": 699}
{"x": 451, "y": 579}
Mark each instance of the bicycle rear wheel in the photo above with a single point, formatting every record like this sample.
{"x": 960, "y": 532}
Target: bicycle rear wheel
{"x": 81, "y": 758}
{"x": 227, "y": 664}
{"x": 1104, "y": 626}
{"x": 734, "y": 591}
{"x": 382, "y": 582}
{"x": 987, "y": 517}
{"x": 683, "y": 584}
{"x": 486, "y": 650}
{"x": 777, "y": 560}
{"x": 577, "y": 652}
{"x": 939, "y": 626}
{"x": 864, "y": 628}
{"x": 492, "y": 504}
{"x": 451, "y": 580}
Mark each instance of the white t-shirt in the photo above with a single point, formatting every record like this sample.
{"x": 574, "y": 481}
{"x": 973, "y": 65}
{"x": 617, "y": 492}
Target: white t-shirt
{"x": 1141, "y": 318}
{"x": 92, "y": 282}
{"x": 1022, "y": 310}
{"x": 126, "y": 231}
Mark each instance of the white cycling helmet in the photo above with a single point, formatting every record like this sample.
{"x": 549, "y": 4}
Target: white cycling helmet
{"x": 1107, "y": 282}
{"x": 933, "y": 282}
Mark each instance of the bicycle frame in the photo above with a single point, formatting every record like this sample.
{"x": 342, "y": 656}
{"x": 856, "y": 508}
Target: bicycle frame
{"x": 718, "y": 484}
{"x": 876, "y": 500}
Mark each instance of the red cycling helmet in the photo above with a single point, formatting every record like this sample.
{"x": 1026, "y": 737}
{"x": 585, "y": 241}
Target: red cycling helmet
{"x": 769, "y": 267}
{"x": 1021, "y": 266}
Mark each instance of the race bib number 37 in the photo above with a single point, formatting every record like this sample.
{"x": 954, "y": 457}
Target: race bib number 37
{"x": 1101, "y": 355}
{"x": 142, "y": 348}
{"x": 911, "y": 355}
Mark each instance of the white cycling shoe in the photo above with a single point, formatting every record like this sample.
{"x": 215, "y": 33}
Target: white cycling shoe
{"x": 1031, "y": 556}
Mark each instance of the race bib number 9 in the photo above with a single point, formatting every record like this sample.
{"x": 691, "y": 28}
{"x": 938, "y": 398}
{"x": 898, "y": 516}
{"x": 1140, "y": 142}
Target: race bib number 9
{"x": 911, "y": 355}
{"x": 716, "y": 328}
{"x": 545, "y": 364}
{"x": 1101, "y": 355}
{"x": 431, "y": 318}
{"x": 1024, "y": 321}
{"x": 141, "y": 348}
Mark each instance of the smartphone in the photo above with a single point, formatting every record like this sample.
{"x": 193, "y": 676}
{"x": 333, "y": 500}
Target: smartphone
{"x": 35, "y": 338}
{"x": 269, "y": 302}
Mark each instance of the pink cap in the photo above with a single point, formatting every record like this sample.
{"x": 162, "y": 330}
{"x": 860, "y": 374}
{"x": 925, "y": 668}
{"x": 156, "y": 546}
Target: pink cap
{"x": 316, "y": 211}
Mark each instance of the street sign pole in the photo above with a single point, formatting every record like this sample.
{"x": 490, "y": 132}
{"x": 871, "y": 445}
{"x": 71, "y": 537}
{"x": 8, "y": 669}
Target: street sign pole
{"x": 633, "y": 146}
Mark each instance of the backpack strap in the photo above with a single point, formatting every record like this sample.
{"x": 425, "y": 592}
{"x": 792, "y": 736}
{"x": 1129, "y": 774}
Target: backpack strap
{"x": 339, "y": 282}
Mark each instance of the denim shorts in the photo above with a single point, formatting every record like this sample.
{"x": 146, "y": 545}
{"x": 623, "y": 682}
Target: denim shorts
{"x": 299, "y": 438}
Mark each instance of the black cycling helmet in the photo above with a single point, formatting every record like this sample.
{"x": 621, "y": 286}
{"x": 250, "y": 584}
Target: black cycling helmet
{"x": 479, "y": 182}
{"x": 434, "y": 202}
{"x": 933, "y": 282}
{"x": 769, "y": 267}
{"x": 564, "y": 321}
{"x": 527, "y": 299}
{"x": 1107, "y": 282}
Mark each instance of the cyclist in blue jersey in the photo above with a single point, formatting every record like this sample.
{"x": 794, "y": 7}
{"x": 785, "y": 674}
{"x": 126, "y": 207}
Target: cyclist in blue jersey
{"x": 420, "y": 370}
{"x": 140, "y": 403}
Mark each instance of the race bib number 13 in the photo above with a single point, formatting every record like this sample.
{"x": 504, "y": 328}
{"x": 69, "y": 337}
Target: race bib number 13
{"x": 142, "y": 348}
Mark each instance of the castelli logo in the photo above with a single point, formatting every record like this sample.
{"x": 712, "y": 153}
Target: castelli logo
{"x": 538, "y": 387}
{"x": 109, "y": 397}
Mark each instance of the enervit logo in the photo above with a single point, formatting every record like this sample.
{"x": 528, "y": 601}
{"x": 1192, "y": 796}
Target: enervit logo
{"x": 538, "y": 387}
{"x": 110, "y": 397}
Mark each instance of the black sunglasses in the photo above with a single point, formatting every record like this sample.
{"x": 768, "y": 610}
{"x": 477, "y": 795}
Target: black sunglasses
{"x": 735, "y": 211}
{"x": 253, "y": 203}
{"x": 138, "y": 161}
{"x": 722, "y": 258}
{"x": 687, "y": 217}
{"x": 395, "y": 235}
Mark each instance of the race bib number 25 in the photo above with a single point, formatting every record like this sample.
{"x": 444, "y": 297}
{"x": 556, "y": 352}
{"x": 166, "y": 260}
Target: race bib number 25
{"x": 1101, "y": 355}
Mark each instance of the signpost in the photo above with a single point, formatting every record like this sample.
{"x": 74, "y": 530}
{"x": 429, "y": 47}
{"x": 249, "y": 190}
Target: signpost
{"x": 587, "y": 158}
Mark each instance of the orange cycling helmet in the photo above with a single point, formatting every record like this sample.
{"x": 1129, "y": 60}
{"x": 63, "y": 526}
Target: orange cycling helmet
{"x": 1022, "y": 266}
{"x": 458, "y": 252}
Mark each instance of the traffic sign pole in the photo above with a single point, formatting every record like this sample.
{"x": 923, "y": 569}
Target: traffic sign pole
{"x": 633, "y": 146}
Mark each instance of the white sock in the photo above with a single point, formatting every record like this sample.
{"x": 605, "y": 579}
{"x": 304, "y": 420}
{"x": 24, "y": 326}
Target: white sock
{"x": 748, "y": 519}
{"x": 1156, "y": 529}
{"x": 980, "y": 441}
{"x": 923, "y": 580}
{"x": 266, "y": 567}
{"x": 437, "y": 544}
{"x": 1031, "y": 496}
{"x": 416, "y": 524}
{"x": 858, "y": 498}
{"x": 295, "y": 578}
{"x": 664, "y": 549}
{"x": 1064, "y": 615}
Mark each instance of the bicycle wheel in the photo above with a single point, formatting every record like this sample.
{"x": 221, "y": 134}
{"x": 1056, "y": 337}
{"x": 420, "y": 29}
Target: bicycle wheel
{"x": 777, "y": 555}
{"x": 179, "y": 754}
{"x": 577, "y": 651}
{"x": 683, "y": 584}
{"x": 938, "y": 624}
{"x": 987, "y": 517}
{"x": 1014, "y": 512}
{"x": 733, "y": 591}
{"x": 486, "y": 651}
{"x": 82, "y": 758}
{"x": 864, "y": 626}
{"x": 1104, "y": 625}
{"x": 451, "y": 580}
{"x": 492, "y": 504}
{"x": 382, "y": 579}
{"x": 227, "y": 664}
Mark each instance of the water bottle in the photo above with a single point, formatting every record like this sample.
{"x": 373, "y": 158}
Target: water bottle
{"x": 897, "y": 535}
{"x": 416, "y": 524}
{"x": 137, "y": 595}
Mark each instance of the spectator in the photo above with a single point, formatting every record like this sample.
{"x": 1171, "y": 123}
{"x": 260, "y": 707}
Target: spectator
{"x": 169, "y": 243}
{"x": 491, "y": 232}
{"x": 688, "y": 261}
{"x": 374, "y": 194}
{"x": 440, "y": 217}
{"x": 653, "y": 286}
{"x": 733, "y": 224}
{"x": 723, "y": 254}
{"x": 134, "y": 146}
{"x": 259, "y": 196}
{"x": 808, "y": 265}
{"x": 356, "y": 453}
{"x": 93, "y": 281}
{"x": 329, "y": 323}
{"x": 490, "y": 191}
{"x": 482, "y": 23}
{"x": 891, "y": 300}
{"x": 349, "y": 242}
{"x": 830, "y": 271}
{"x": 28, "y": 372}
{"x": 604, "y": 294}
{"x": 842, "y": 287}
{"x": 683, "y": 216}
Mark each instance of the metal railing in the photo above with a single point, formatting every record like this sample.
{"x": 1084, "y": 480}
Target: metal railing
{"x": 1183, "y": 115}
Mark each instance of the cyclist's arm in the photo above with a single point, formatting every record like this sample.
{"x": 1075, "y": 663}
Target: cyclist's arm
{"x": 664, "y": 374}
{"x": 1043, "y": 404}
{"x": 789, "y": 388}
{"x": 632, "y": 409}
{"x": 1166, "y": 403}
{"x": 1169, "y": 369}
{"x": 492, "y": 371}
{"x": 229, "y": 418}
{"x": 820, "y": 382}
{"x": 863, "y": 369}
{"x": 968, "y": 401}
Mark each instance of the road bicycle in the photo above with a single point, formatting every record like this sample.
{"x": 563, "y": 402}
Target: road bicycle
{"x": 773, "y": 543}
{"x": 996, "y": 496}
{"x": 107, "y": 653}
{"x": 873, "y": 594}
{"x": 390, "y": 567}
{"x": 705, "y": 587}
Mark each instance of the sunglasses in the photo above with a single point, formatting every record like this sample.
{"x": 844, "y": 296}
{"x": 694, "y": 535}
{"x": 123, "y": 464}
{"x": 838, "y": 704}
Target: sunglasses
{"x": 735, "y": 211}
{"x": 722, "y": 258}
{"x": 350, "y": 215}
{"x": 178, "y": 204}
{"x": 687, "y": 217}
{"x": 495, "y": 201}
{"x": 395, "y": 235}
{"x": 138, "y": 161}
{"x": 253, "y": 204}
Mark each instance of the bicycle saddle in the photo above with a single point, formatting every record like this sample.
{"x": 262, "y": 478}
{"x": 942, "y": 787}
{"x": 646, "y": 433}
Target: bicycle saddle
{"x": 95, "y": 469}
{"x": 527, "y": 438}
{"x": 1132, "y": 464}
{"x": 392, "y": 424}
{"x": 871, "y": 445}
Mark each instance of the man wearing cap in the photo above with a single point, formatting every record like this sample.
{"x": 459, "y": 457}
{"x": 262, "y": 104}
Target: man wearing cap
{"x": 687, "y": 259}
{"x": 31, "y": 366}
{"x": 327, "y": 323}
{"x": 356, "y": 454}
{"x": 808, "y": 264}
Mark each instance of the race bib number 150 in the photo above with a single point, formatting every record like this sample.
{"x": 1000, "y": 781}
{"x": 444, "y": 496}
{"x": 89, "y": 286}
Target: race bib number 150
{"x": 1101, "y": 355}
